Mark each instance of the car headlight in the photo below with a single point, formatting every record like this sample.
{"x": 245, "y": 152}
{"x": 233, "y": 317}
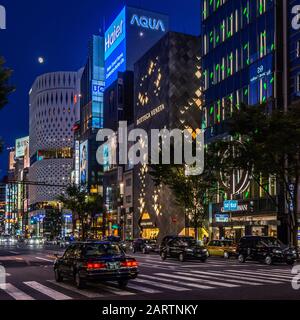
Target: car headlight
{"x": 277, "y": 251}
{"x": 189, "y": 250}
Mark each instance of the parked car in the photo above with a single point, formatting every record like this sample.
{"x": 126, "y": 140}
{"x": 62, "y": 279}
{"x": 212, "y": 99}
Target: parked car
{"x": 182, "y": 248}
{"x": 265, "y": 249}
{"x": 144, "y": 245}
{"x": 222, "y": 248}
{"x": 95, "y": 262}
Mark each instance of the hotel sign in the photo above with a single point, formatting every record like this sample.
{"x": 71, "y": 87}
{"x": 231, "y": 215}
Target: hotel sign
{"x": 150, "y": 114}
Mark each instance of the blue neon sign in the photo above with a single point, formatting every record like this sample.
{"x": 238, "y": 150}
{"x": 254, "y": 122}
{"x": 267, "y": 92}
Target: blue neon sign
{"x": 148, "y": 23}
{"x": 230, "y": 205}
{"x": 115, "y": 34}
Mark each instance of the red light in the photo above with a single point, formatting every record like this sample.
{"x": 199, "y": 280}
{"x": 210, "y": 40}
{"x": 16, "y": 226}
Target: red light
{"x": 94, "y": 266}
{"x": 129, "y": 264}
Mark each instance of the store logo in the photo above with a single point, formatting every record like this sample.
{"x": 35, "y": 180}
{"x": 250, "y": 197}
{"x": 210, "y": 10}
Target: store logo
{"x": 296, "y": 278}
{"x": 148, "y": 23}
{"x": 113, "y": 36}
{"x": 296, "y": 19}
{"x": 2, "y": 18}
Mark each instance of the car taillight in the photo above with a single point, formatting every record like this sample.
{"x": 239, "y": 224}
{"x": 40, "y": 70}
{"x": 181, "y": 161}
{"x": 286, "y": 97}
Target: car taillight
{"x": 94, "y": 266}
{"x": 129, "y": 264}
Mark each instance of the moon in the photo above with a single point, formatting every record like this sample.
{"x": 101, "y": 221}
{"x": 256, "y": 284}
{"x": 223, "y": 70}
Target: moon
{"x": 41, "y": 60}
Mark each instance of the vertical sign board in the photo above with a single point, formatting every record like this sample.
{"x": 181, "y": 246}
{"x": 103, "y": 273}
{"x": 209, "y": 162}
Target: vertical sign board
{"x": 21, "y": 145}
{"x": 115, "y": 48}
{"x": 84, "y": 164}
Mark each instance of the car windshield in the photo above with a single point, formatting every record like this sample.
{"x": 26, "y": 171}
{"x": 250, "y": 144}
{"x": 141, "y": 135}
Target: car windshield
{"x": 226, "y": 243}
{"x": 188, "y": 242}
{"x": 272, "y": 242}
{"x": 98, "y": 250}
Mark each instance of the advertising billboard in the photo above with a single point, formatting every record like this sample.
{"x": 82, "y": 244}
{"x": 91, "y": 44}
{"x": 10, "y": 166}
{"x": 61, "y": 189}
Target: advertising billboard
{"x": 129, "y": 37}
{"x": 84, "y": 163}
{"x": 21, "y": 145}
{"x": 12, "y": 161}
{"x": 115, "y": 48}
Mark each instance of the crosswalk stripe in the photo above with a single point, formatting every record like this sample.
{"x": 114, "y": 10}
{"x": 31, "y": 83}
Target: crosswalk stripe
{"x": 115, "y": 290}
{"x": 214, "y": 283}
{"x": 161, "y": 285}
{"x": 231, "y": 279}
{"x": 234, "y": 276}
{"x": 86, "y": 293}
{"x": 283, "y": 272}
{"x": 194, "y": 285}
{"x": 15, "y": 292}
{"x": 43, "y": 259}
{"x": 268, "y": 275}
{"x": 141, "y": 288}
{"x": 47, "y": 291}
{"x": 276, "y": 274}
{"x": 257, "y": 277}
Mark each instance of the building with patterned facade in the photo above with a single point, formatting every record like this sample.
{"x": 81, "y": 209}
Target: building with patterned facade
{"x": 167, "y": 95}
{"x": 52, "y": 115}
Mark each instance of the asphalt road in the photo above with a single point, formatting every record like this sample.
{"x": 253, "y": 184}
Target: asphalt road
{"x": 29, "y": 276}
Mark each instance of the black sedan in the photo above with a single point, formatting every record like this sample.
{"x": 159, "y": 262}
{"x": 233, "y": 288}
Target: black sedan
{"x": 95, "y": 262}
{"x": 183, "y": 248}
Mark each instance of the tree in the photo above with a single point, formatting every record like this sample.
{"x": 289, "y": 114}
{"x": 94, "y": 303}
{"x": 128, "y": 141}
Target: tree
{"x": 82, "y": 205}
{"x": 5, "y": 88}
{"x": 192, "y": 193}
{"x": 267, "y": 144}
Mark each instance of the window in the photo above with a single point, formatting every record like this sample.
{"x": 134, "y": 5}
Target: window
{"x": 128, "y": 182}
{"x": 298, "y": 83}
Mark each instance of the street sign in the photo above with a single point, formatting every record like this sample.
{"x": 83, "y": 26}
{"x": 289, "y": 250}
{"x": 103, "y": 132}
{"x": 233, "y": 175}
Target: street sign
{"x": 222, "y": 217}
{"x": 230, "y": 205}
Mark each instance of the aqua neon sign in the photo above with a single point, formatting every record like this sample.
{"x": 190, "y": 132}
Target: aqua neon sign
{"x": 148, "y": 23}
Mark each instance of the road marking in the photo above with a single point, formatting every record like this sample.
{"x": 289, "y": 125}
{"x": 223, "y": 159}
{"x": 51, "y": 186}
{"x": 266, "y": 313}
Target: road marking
{"x": 19, "y": 259}
{"x": 214, "y": 283}
{"x": 264, "y": 275}
{"x": 194, "y": 285}
{"x": 47, "y": 291}
{"x": 116, "y": 291}
{"x": 161, "y": 285}
{"x": 143, "y": 289}
{"x": 15, "y": 292}
{"x": 246, "y": 277}
{"x": 86, "y": 293}
{"x": 43, "y": 259}
{"x": 216, "y": 274}
{"x": 13, "y": 252}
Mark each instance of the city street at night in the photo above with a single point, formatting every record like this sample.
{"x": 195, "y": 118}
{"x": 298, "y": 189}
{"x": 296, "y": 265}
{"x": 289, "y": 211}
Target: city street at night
{"x": 29, "y": 273}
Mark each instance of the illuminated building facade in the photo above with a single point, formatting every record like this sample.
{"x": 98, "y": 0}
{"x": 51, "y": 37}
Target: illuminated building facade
{"x": 250, "y": 55}
{"x": 52, "y": 115}
{"x": 167, "y": 95}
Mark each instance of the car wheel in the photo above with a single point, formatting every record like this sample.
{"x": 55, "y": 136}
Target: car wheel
{"x": 58, "y": 277}
{"x": 203, "y": 260}
{"x": 268, "y": 260}
{"x": 163, "y": 256}
{"x": 290, "y": 262}
{"x": 241, "y": 258}
{"x": 122, "y": 284}
{"x": 226, "y": 255}
{"x": 80, "y": 283}
{"x": 181, "y": 257}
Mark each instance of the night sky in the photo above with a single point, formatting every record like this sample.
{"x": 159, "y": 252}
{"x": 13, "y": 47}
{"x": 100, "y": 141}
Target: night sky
{"x": 59, "y": 30}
